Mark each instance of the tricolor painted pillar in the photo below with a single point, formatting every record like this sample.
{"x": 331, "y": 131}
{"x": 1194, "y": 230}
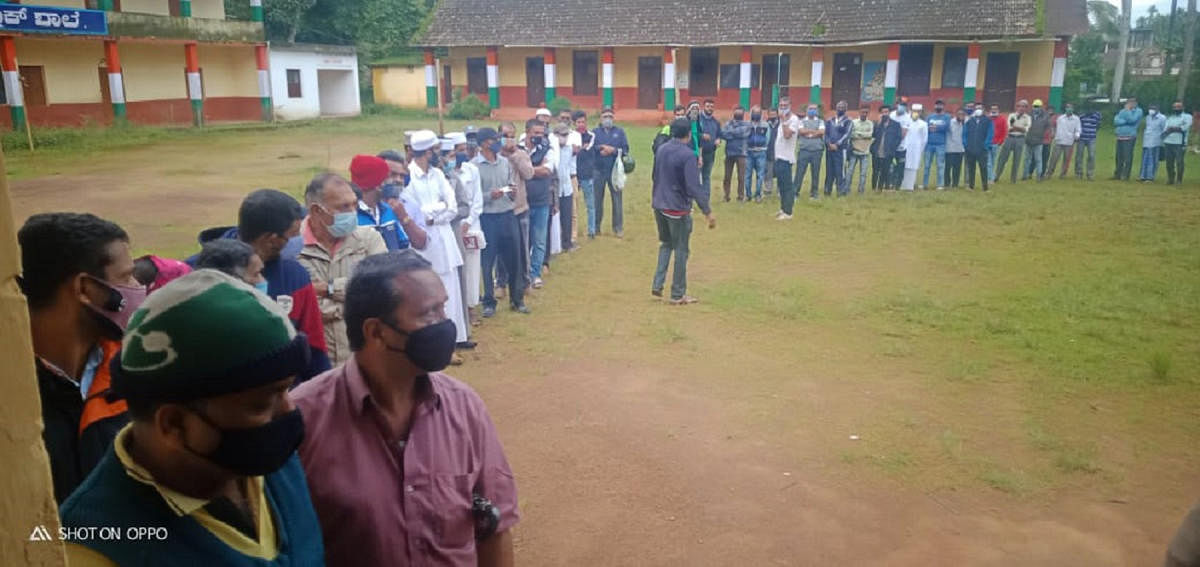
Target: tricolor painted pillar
{"x": 185, "y": 8}
{"x": 264, "y": 81}
{"x": 493, "y": 78}
{"x": 12, "y": 81}
{"x": 818, "y": 68}
{"x": 970, "y": 80}
{"x": 892, "y": 74}
{"x": 669, "y": 79}
{"x": 256, "y": 11}
{"x": 116, "y": 82}
{"x": 430, "y": 80}
{"x": 195, "y": 88}
{"x": 606, "y": 77}
{"x": 744, "y": 79}
{"x": 548, "y": 69}
{"x": 1058, "y": 72}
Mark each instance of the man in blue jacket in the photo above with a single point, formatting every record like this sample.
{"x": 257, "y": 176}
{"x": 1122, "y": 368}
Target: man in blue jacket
{"x": 1126, "y": 122}
{"x": 735, "y": 133}
{"x": 676, "y": 184}
{"x": 837, "y": 139}
{"x": 607, "y": 140}
{"x": 977, "y": 142}
{"x": 710, "y": 138}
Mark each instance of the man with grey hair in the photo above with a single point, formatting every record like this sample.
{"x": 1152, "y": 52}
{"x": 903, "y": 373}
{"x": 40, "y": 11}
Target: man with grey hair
{"x": 333, "y": 245}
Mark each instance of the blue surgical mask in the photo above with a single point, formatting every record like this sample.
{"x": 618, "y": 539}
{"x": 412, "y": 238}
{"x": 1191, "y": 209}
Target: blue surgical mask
{"x": 812, "y": 113}
{"x": 261, "y": 287}
{"x": 606, "y": 122}
{"x": 460, "y": 158}
{"x": 343, "y": 224}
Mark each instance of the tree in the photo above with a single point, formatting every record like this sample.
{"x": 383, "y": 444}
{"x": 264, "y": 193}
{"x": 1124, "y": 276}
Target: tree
{"x": 1189, "y": 47}
{"x": 1085, "y": 65}
{"x": 1122, "y": 50}
{"x": 284, "y": 17}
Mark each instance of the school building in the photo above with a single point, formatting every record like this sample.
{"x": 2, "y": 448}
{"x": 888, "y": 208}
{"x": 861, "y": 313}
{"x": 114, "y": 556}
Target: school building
{"x": 77, "y": 62}
{"x": 650, "y": 55}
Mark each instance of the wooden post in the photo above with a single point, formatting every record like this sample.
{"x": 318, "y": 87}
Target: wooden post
{"x": 441, "y": 106}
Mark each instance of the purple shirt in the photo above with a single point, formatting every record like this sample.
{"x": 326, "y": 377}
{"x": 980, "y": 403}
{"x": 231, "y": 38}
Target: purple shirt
{"x": 380, "y": 504}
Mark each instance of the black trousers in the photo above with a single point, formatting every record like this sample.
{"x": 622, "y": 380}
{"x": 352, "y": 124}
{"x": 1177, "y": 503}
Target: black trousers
{"x": 1174, "y": 157}
{"x": 566, "y": 213}
{"x": 503, "y": 244}
{"x": 1124, "y": 159}
{"x": 982, "y": 161}
{"x": 881, "y": 172}
{"x": 953, "y": 169}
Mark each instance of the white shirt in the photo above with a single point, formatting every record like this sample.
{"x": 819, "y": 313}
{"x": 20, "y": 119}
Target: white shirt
{"x": 435, "y": 196}
{"x": 468, "y": 174}
{"x": 914, "y": 143}
{"x": 566, "y": 164}
{"x": 1067, "y": 129}
{"x": 785, "y": 148}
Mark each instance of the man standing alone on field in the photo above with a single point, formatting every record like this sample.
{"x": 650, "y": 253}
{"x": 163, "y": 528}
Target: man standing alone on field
{"x": 676, "y": 181}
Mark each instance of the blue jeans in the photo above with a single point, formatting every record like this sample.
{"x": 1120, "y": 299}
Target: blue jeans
{"x": 756, "y": 166}
{"x": 859, "y": 161}
{"x": 1149, "y": 162}
{"x": 589, "y": 198}
{"x": 539, "y": 227}
{"x": 992, "y": 150}
{"x": 935, "y": 154}
{"x": 1033, "y": 161}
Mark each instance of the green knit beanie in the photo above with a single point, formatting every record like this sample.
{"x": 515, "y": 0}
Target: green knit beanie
{"x": 204, "y": 335}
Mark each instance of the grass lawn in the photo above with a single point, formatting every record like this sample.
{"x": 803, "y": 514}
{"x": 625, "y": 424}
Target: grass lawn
{"x": 1025, "y": 357}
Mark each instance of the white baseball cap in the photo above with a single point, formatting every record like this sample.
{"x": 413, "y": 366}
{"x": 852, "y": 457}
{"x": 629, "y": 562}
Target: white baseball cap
{"x": 542, "y": 112}
{"x": 917, "y": 106}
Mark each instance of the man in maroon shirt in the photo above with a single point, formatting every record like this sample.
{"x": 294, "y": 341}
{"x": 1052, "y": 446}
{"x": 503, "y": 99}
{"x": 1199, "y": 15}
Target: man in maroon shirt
{"x": 404, "y": 465}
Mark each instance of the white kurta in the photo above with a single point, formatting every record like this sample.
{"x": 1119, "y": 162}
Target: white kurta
{"x": 914, "y": 143}
{"x": 472, "y": 267}
{"x": 435, "y": 197}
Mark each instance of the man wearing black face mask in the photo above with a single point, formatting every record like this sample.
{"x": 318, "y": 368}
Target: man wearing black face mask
{"x": 398, "y": 452}
{"x": 735, "y": 133}
{"x": 78, "y": 281}
{"x": 211, "y": 450}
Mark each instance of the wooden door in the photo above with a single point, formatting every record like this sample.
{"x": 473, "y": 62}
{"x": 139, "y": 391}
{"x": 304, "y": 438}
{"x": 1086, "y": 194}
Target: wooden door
{"x": 776, "y": 70}
{"x": 847, "y": 78}
{"x": 33, "y": 84}
{"x": 447, "y": 88}
{"x": 650, "y": 70}
{"x": 173, "y": 8}
{"x": 1000, "y": 80}
{"x": 535, "y": 81}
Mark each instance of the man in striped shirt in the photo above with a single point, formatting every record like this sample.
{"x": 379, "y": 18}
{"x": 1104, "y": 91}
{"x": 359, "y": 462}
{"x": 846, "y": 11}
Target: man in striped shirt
{"x": 1088, "y": 124}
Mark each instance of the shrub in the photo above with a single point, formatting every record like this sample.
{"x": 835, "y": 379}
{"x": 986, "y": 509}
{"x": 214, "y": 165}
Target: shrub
{"x": 559, "y": 104}
{"x": 467, "y": 107}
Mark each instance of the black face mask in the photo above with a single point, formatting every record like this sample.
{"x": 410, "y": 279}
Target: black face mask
{"x": 256, "y": 451}
{"x": 756, "y": 116}
{"x": 428, "y": 348}
{"x": 535, "y": 141}
{"x": 739, "y": 116}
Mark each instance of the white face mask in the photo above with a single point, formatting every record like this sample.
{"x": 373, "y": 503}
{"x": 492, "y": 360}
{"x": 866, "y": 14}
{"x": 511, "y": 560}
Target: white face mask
{"x": 1153, "y": 112}
{"x": 978, "y": 112}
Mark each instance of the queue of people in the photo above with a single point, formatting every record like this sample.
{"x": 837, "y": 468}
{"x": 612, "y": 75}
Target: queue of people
{"x": 217, "y": 396}
{"x": 909, "y": 143}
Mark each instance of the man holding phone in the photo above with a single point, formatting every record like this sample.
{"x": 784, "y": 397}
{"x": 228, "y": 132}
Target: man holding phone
{"x": 499, "y": 224}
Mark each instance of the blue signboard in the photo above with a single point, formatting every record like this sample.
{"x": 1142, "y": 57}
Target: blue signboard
{"x": 45, "y": 19}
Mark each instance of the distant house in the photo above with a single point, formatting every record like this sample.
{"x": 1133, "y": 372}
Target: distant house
{"x": 309, "y": 81}
{"x": 1145, "y": 57}
{"x": 77, "y": 62}
{"x": 652, "y": 54}
{"x": 400, "y": 81}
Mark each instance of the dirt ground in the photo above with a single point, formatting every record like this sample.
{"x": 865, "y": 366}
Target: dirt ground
{"x": 776, "y": 424}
